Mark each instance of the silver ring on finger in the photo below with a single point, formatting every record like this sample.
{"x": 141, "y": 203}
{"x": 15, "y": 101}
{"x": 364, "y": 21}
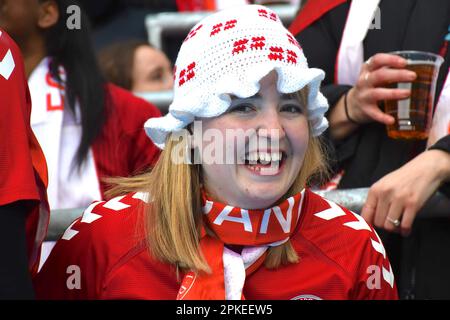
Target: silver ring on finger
{"x": 395, "y": 222}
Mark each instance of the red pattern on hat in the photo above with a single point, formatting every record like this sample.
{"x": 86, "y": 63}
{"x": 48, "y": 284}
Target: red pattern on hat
{"x": 293, "y": 41}
{"x": 258, "y": 43}
{"x": 216, "y": 29}
{"x": 187, "y": 74}
{"x": 240, "y": 46}
{"x": 230, "y": 24}
{"x": 192, "y": 33}
{"x": 263, "y": 13}
{"x": 291, "y": 56}
{"x": 276, "y": 53}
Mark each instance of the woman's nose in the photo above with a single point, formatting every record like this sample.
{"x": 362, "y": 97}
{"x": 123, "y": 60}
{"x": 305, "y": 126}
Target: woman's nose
{"x": 271, "y": 125}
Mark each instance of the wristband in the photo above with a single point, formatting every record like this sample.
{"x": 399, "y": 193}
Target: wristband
{"x": 346, "y": 111}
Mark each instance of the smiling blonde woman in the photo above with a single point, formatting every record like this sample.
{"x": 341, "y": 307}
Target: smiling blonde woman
{"x": 246, "y": 228}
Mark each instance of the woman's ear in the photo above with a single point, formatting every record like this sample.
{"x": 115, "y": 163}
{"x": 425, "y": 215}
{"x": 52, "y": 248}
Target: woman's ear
{"x": 48, "y": 14}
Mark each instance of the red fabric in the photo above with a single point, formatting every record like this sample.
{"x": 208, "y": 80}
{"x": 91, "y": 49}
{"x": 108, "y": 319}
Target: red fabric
{"x": 123, "y": 148}
{"x": 311, "y": 12}
{"x": 235, "y": 226}
{"x": 112, "y": 261}
{"x": 23, "y": 171}
{"x": 206, "y": 286}
{"x": 196, "y": 5}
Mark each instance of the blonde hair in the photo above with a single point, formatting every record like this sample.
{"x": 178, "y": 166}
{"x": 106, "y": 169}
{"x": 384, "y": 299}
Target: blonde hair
{"x": 174, "y": 216}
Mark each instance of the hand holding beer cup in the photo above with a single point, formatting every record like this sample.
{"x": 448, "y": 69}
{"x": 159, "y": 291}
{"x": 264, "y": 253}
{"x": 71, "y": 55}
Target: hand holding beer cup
{"x": 370, "y": 89}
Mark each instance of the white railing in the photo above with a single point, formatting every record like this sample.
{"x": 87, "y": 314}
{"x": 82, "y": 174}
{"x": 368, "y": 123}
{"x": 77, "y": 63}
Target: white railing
{"x": 180, "y": 23}
{"x": 161, "y": 99}
{"x": 438, "y": 206}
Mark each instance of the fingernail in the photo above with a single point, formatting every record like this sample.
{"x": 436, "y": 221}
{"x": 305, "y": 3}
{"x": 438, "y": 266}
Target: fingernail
{"x": 412, "y": 75}
{"x": 406, "y": 93}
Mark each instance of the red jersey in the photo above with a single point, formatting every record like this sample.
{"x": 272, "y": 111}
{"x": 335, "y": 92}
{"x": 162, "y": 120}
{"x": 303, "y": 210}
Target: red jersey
{"x": 23, "y": 171}
{"x": 102, "y": 255}
{"x": 123, "y": 148}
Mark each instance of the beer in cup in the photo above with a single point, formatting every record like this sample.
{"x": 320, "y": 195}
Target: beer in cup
{"x": 413, "y": 115}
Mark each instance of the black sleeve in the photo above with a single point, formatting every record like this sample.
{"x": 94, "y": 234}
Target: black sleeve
{"x": 15, "y": 279}
{"x": 444, "y": 145}
{"x": 320, "y": 42}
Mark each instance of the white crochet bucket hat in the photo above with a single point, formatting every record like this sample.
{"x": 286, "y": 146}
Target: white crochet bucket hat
{"x": 228, "y": 53}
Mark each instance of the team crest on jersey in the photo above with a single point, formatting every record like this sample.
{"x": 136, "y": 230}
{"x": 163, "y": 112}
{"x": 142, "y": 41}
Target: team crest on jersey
{"x": 186, "y": 285}
{"x": 307, "y": 297}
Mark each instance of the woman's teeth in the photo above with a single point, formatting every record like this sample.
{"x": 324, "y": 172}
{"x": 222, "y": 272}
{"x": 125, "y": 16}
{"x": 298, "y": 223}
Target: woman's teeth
{"x": 263, "y": 157}
{"x": 264, "y": 163}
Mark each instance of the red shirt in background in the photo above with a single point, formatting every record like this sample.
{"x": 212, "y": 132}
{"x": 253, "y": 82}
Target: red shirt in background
{"x": 123, "y": 148}
{"x": 23, "y": 171}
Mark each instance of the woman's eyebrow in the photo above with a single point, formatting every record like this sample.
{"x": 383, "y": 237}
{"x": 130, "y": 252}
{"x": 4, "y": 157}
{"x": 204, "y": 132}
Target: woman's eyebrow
{"x": 288, "y": 96}
{"x": 233, "y": 97}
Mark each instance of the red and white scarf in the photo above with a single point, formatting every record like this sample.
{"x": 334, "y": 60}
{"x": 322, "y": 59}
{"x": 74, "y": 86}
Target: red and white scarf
{"x": 256, "y": 230}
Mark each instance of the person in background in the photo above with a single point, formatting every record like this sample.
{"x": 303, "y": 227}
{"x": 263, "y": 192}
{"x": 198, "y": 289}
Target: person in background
{"x": 24, "y": 209}
{"x": 88, "y": 128}
{"x": 242, "y": 225}
{"x": 350, "y": 41}
{"x": 136, "y": 66}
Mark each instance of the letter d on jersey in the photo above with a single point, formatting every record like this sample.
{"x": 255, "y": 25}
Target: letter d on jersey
{"x": 74, "y": 280}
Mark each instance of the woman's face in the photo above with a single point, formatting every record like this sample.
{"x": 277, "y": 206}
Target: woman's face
{"x": 261, "y": 172}
{"x": 152, "y": 70}
{"x": 19, "y": 17}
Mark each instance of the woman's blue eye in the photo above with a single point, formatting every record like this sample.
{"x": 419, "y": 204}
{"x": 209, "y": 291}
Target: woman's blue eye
{"x": 291, "y": 108}
{"x": 242, "y": 108}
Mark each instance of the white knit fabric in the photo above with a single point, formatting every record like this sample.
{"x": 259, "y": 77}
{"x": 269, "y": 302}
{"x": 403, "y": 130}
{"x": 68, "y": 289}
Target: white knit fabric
{"x": 234, "y": 265}
{"x": 229, "y": 52}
